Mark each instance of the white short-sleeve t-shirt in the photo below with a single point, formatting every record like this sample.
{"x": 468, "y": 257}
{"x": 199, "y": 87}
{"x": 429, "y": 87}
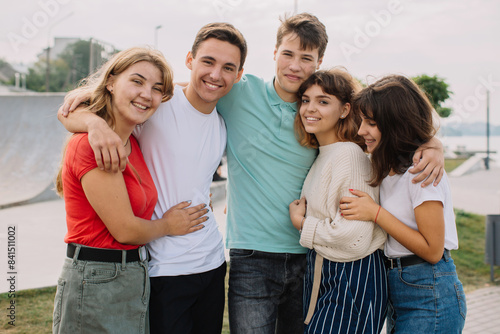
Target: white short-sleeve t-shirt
{"x": 182, "y": 148}
{"x": 400, "y": 197}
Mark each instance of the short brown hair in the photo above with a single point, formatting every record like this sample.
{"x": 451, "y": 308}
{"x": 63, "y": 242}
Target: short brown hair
{"x": 339, "y": 83}
{"x": 311, "y": 32}
{"x": 403, "y": 115}
{"x": 223, "y": 32}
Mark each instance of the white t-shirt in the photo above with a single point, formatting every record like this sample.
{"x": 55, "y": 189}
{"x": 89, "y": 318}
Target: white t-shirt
{"x": 182, "y": 148}
{"x": 400, "y": 197}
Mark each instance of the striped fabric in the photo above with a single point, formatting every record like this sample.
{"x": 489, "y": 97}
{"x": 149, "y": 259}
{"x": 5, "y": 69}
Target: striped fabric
{"x": 352, "y": 295}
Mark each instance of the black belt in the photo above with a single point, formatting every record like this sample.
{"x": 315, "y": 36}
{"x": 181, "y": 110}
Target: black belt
{"x": 406, "y": 260}
{"x": 103, "y": 255}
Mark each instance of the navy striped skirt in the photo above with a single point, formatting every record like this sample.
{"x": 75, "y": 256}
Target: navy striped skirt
{"x": 352, "y": 295}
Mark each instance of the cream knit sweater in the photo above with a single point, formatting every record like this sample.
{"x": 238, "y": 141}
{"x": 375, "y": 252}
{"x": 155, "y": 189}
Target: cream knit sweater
{"x": 338, "y": 168}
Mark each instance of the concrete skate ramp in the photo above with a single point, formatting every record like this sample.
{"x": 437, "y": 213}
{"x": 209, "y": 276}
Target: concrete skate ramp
{"x": 31, "y": 140}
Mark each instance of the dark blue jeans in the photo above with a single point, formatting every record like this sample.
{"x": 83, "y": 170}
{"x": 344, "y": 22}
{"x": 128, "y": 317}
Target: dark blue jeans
{"x": 265, "y": 292}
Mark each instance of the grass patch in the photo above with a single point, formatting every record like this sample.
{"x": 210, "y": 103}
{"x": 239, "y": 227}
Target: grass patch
{"x": 469, "y": 258}
{"x": 33, "y": 311}
{"x": 34, "y": 307}
{"x": 451, "y": 164}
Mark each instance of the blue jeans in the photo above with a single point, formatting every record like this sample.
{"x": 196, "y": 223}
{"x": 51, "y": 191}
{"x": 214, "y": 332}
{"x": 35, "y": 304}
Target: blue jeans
{"x": 102, "y": 297}
{"x": 265, "y": 292}
{"x": 426, "y": 298}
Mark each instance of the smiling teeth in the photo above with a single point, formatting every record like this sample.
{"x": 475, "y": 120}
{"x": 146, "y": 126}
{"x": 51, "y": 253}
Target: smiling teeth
{"x": 140, "y": 106}
{"x": 312, "y": 119}
{"x": 211, "y": 85}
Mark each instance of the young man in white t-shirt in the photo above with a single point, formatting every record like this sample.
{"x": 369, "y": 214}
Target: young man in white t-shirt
{"x": 182, "y": 144}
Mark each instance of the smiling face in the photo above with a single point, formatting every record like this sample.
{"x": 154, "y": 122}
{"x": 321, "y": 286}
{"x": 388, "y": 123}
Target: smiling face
{"x": 320, "y": 113}
{"x": 293, "y": 66}
{"x": 214, "y": 71}
{"x": 136, "y": 93}
{"x": 370, "y": 133}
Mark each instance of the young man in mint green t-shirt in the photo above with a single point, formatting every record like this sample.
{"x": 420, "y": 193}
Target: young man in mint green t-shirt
{"x": 267, "y": 167}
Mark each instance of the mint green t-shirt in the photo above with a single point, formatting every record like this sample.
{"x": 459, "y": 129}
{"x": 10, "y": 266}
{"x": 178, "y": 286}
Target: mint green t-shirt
{"x": 266, "y": 167}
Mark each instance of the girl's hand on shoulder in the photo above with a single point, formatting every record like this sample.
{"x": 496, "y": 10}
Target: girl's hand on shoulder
{"x": 297, "y": 212}
{"x": 362, "y": 207}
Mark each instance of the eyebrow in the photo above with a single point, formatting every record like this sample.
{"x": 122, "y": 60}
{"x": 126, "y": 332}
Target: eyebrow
{"x": 305, "y": 54}
{"x": 213, "y": 59}
{"x": 144, "y": 78}
{"x": 318, "y": 97}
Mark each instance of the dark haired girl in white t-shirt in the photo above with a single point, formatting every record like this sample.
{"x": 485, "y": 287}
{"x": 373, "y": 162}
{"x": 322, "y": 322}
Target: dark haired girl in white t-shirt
{"x": 425, "y": 294}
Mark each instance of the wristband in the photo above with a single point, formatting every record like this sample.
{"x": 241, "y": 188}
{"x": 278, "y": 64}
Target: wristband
{"x": 376, "y": 216}
{"x": 302, "y": 224}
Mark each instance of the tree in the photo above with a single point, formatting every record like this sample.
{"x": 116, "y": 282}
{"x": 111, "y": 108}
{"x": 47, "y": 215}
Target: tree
{"x": 71, "y": 66}
{"x": 437, "y": 91}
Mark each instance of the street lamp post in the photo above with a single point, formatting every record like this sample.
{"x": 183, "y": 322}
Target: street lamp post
{"x": 47, "y": 73}
{"x": 487, "y": 160}
{"x": 156, "y": 36}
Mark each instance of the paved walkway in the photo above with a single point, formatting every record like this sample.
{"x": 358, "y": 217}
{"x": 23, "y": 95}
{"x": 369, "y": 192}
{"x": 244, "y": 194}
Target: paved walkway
{"x": 478, "y": 192}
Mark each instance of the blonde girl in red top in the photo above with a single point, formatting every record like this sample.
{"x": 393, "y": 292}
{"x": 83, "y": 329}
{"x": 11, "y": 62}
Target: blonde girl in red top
{"x": 104, "y": 284}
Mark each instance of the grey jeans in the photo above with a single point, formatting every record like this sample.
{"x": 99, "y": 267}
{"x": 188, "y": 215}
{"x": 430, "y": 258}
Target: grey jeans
{"x": 102, "y": 297}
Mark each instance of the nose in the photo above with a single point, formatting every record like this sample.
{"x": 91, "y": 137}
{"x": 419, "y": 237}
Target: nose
{"x": 294, "y": 65}
{"x": 362, "y": 129}
{"x": 215, "y": 74}
{"x": 311, "y": 107}
{"x": 146, "y": 93}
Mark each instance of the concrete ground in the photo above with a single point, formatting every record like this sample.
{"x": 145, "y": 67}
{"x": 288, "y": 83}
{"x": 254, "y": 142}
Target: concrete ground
{"x": 478, "y": 192}
{"x": 40, "y": 250}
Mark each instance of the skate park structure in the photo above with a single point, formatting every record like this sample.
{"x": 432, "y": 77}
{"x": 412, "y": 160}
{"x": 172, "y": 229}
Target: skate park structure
{"x": 30, "y": 147}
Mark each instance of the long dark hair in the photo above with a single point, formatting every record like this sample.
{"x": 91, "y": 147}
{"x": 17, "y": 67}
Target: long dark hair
{"x": 403, "y": 115}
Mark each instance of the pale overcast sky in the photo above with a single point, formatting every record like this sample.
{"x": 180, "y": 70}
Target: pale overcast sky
{"x": 455, "y": 39}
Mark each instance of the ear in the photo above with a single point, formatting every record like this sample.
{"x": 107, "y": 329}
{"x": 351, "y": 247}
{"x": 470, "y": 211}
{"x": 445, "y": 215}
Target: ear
{"x": 238, "y": 77}
{"x": 275, "y": 52}
{"x": 111, "y": 83}
{"x": 320, "y": 60}
{"x": 189, "y": 60}
{"x": 346, "y": 109}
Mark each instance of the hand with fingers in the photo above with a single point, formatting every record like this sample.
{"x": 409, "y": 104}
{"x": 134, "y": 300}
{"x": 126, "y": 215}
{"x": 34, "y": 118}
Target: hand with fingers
{"x": 109, "y": 150}
{"x": 72, "y": 100}
{"x": 428, "y": 161}
{"x": 361, "y": 207}
{"x": 298, "y": 212}
{"x": 182, "y": 219}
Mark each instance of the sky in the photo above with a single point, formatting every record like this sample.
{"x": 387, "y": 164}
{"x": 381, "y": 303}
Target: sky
{"x": 457, "y": 40}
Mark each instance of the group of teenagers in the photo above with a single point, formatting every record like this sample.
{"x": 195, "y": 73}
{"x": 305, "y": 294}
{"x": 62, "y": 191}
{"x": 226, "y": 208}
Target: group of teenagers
{"x": 309, "y": 214}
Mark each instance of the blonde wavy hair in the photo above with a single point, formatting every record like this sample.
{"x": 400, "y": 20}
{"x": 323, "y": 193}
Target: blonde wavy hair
{"x": 100, "y": 98}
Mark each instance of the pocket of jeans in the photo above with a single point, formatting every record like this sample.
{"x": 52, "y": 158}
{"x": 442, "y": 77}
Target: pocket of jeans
{"x": 241, "y": 253}
{"x": 462, "y": 303}
{"x": 99, "y": 273}
{"x": 418, "y": 276}
{"x": 58, "y": 303}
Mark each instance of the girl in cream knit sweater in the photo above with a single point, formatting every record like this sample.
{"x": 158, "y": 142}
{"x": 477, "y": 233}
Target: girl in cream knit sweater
{"x": 345, "y": 281}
